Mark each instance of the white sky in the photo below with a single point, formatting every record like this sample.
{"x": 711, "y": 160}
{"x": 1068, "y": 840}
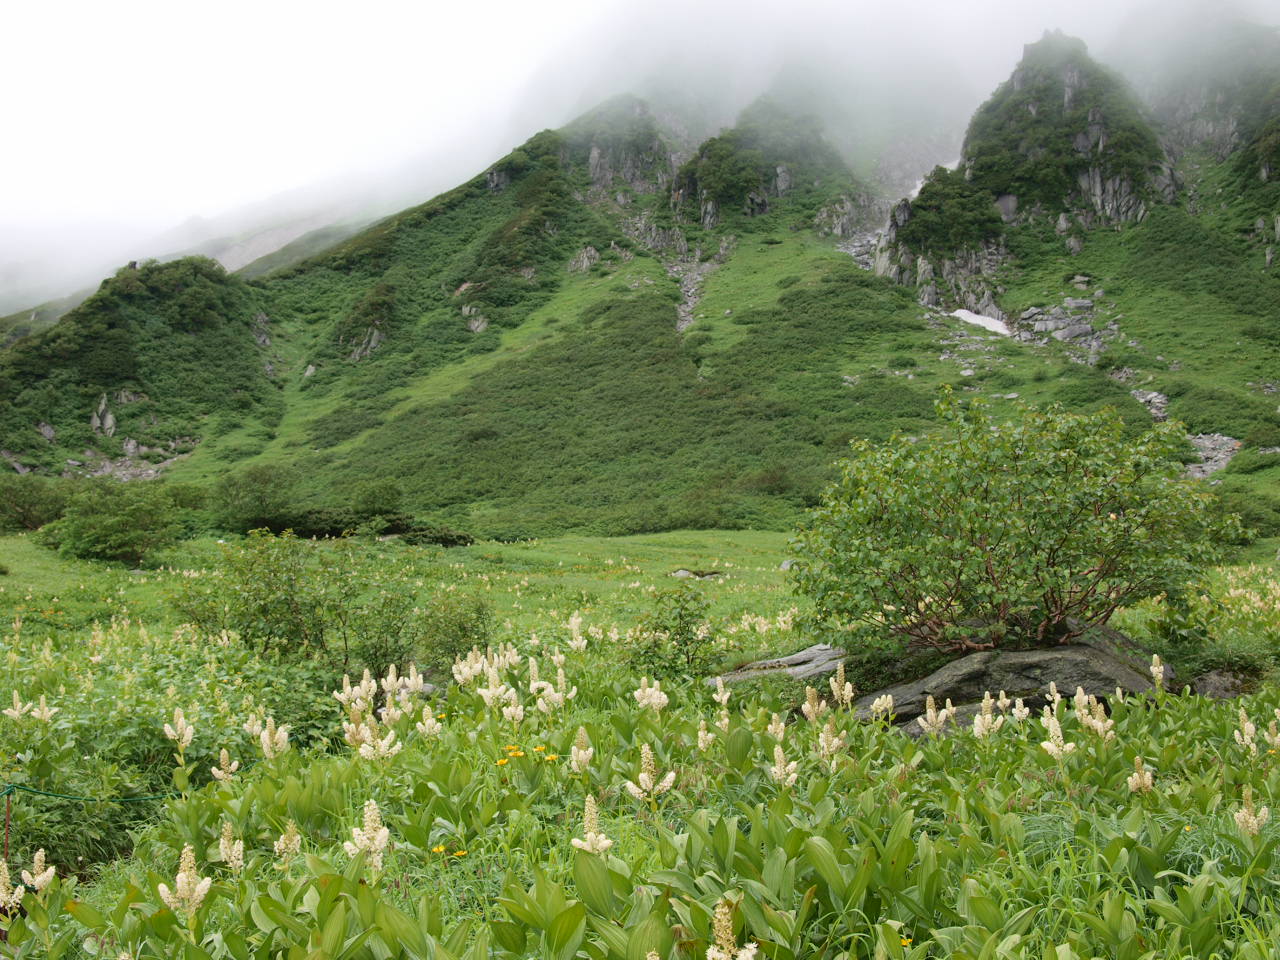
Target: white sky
{"x": 123, "y": 119}
{"x": 158, "y": 109}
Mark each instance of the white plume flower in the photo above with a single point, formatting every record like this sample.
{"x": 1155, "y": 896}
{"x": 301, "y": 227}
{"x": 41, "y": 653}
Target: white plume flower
{"x": 180, "y": 732}
{"x": 783, "y": 772}
{"x": 230, "y": 848}
{"x": 1249, "y": 819}
{"x": 650, "y": 697}
{"x": 1055, "y": 746}
{"x": 581, "y": 753}
{"x": 933, "y": 721}
{"x": 593, "y": 840}
{"x": 647, "y": 786}
{"x": 40, "y": 875}
{"x": 1141, "y": 780}
{"x": 189, "y": 888}
{"x": 371, "y": 837}
{"x": 226, "y": 769}
{"x": 272, "y": 739}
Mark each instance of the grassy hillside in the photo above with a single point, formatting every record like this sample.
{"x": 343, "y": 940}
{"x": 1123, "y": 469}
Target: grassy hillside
{"x": 155, "y": 350}
{"x": 568, "y": 342}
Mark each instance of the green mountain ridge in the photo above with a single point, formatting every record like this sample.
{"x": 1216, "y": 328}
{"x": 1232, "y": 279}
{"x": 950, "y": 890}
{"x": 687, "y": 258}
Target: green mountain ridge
{"x": 613, "y": 330}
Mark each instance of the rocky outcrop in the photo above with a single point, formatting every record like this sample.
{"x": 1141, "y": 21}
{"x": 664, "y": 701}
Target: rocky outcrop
{"x": 497, "y": 180}
{"x": 372, "y": 339}
{"x": 781, "y": 180}
{"x": 1216, "y": 452}
{"x": 1112, "y": 169}
{"x": 1020, "y": 673}
{"x": 477, "y": 322}
{"x": 138, "y": 462}
{"x": 1072, "y": 321}
{"x": 963, "y": 280}
{"x": 262, "y": 329}
{"x": 644, "y": 231}
{"x": 584, "y": 260}
{"x": 1220, "y": 685}
{"x": 1157, "y": 403}
{"x": 690, "y": 272}
{"x": 708, "y": 211}
{"x": 643, "y": 167}
{"x": 1116, "y": 199}
{"x": 102, "y": 421}
{"x": 13, "y": 461}
{"x": 816, "y": 661}
{"x": 850, "y": 216}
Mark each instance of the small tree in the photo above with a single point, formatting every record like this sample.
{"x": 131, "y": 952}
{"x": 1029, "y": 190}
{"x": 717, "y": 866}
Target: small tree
{"x": 113, "y": 520}
{"x": 1033, "y": 529}
{"x": 330, "y": 600}
{"x": 28, "y": 501}
{"x": 253, "y": 497}
{"x": 675, "y": 638}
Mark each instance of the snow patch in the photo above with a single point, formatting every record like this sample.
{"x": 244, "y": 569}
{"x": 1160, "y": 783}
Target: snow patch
{"x": 986, "y": 323}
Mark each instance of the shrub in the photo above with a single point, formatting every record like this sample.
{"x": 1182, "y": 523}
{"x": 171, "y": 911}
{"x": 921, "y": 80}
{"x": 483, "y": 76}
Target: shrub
{"x": 117, "y": 521}
{"x": 951, "y": 214}
{"x": 674, "y": 639}
{"x": 436, "y": 536}
{"x": 328, "y": 601}
{"x": 255, "y": 496}
{"x": 451, "y": 626}
{"x": 28, "y": 501}
{"x": 1028, "y": 530}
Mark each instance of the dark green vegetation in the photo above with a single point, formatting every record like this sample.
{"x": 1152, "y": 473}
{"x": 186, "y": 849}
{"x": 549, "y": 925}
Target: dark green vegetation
{"x": 950, "y": 214}
{"x": 504, "y": 360}
{"x": 1198, "y": 322}
{"x": 985, "y": 534}
{"x": 762, "y": 157}
{"x": 1059, "y": 120}
{"x": 1181, "y": 291}
{"x": 157, "y": 349}
{"x": 1060, "y": 115}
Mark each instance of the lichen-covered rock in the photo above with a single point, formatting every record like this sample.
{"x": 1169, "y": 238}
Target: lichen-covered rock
{"x": 816, "y": 661}
{"x": 1020, "y": 673}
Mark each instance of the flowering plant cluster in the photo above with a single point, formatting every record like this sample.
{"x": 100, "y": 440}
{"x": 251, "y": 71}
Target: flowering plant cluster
{"x": 539, "y": 796}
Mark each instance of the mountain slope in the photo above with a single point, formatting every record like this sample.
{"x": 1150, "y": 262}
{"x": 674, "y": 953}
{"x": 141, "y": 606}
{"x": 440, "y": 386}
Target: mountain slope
{"x": 132, "y": 371}
{"x": 1062, "y": 140}
{"x": 609, "y": 330}
{"x": 1067, "y": 219}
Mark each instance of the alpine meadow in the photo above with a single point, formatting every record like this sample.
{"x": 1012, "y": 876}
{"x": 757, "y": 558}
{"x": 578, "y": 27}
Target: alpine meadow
{"x": 817, "y": 499}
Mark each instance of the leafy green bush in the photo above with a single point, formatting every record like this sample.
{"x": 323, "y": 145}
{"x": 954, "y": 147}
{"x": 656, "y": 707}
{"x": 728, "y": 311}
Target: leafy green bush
{"x": 985, "y": 532}
{"x": 111, "y": 690}
{"x": 438, "y": 536}
{"x": 451, "y": 625}
{"x": 675, "y": 638}
{"x": 253, "y": 496}
{"x": 951, "y": 214}
{"x": 28, "y": 500}
{"x": 324, "y": 600}
{"x": 111, "y": 520}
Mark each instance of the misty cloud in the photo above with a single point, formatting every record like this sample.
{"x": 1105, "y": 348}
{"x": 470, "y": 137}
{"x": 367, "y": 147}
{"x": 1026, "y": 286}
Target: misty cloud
{"x": 250, "y": 117}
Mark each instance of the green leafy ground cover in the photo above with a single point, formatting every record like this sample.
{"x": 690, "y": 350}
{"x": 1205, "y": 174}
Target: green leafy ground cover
{"x": 880, "y": 846}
